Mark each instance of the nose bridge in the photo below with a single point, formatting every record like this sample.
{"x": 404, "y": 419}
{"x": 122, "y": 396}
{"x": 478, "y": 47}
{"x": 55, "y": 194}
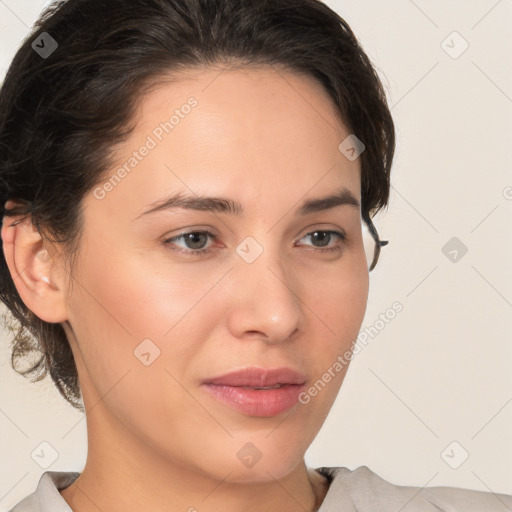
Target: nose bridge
{"x": 267, "y": 298}
{"x": 262, "y": 257}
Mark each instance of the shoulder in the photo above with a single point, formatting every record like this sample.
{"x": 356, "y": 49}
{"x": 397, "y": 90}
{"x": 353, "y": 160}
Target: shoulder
{"x": 363, "y": 490}
{"x": 46, "y": 497}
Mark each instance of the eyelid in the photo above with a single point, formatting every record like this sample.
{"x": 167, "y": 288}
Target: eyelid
{"x": 339, "y": 234}
{"x": 194, "y": 252}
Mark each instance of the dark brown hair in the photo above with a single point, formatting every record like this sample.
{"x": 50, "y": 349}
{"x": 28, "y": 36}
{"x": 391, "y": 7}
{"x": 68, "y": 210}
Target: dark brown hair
{"x": 62, "y": 114}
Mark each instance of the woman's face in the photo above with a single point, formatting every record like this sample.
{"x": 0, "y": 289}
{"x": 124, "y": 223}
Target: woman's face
{"x": 151, "y": 319}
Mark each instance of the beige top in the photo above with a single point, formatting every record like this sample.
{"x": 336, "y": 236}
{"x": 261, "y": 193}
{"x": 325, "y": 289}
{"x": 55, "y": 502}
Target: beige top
{"x": 358, "y": 490}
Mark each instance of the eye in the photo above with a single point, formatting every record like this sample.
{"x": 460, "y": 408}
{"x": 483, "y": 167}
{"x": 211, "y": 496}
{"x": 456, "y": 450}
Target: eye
{"x": 323, "y": 237}
{"x": 195, "y": 242}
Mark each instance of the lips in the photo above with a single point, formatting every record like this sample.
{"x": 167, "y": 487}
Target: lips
{"x": 257, "y": 391}
{"x": 258, "y": 377}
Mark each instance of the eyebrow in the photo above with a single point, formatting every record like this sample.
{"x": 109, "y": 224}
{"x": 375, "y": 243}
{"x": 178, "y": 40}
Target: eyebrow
{"x": 228, "y": 206}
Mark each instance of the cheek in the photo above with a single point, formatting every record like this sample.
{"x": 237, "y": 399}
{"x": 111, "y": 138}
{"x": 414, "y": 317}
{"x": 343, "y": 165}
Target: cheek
{"x": 341, "y": 306}
{"x": 128, "y": 317}
{"x": 124, "y": 355}
{"x": 133, "y": 297}
{"x": 340, "y": 301}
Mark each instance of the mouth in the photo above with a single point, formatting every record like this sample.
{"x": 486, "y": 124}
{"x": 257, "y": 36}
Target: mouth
{"x": 277, "y": 386}
{"x": 257, "y": 392}
{"x": 254, "y": 377}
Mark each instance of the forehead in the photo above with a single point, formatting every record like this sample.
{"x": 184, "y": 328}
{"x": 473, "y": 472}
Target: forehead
{"x": 273, "y": 105}
{"x": 249, "y": 133}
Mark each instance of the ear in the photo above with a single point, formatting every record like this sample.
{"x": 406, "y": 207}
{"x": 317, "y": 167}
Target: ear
{"x": 34, "y": 272}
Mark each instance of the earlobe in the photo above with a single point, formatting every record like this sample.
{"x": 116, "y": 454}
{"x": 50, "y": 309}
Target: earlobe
{"x": 32, "y": 269}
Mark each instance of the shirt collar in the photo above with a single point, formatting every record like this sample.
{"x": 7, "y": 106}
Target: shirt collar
{"x": 50, "y": 499}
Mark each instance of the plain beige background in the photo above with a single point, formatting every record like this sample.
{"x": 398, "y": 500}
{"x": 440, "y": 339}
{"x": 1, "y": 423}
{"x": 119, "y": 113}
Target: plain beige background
{"x": 428, "y": 399}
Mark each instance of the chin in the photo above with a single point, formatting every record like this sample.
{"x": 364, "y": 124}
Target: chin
{"x": 262, "y": 473}
{"x": 250, "y": 462}
{"x": 274, "y": 464}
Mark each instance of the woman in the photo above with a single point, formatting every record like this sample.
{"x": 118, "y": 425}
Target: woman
{"x": 184, "y": 186}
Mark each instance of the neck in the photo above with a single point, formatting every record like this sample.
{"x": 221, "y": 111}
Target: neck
{"x": 123, "y": 473}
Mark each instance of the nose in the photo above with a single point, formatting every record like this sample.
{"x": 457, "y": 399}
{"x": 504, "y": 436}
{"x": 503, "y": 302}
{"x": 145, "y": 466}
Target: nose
{"x": 265, "y": 301}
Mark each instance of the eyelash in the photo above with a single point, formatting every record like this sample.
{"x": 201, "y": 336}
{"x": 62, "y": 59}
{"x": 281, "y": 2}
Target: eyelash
{"x": 203, "y": 252}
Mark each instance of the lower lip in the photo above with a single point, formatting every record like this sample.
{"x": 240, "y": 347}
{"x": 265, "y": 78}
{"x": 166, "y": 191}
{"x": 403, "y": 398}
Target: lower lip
{"x": 257, "y": 402}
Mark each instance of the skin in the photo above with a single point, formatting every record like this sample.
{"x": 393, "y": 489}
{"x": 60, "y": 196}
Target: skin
{"x": 267, "y": 138}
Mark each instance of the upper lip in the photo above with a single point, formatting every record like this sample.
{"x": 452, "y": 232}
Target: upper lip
{"x": 260, "y": 377}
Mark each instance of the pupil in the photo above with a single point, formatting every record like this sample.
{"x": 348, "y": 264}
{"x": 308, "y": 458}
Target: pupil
{"x": 192, "y": 239}
{"x": 325, "y": 238}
